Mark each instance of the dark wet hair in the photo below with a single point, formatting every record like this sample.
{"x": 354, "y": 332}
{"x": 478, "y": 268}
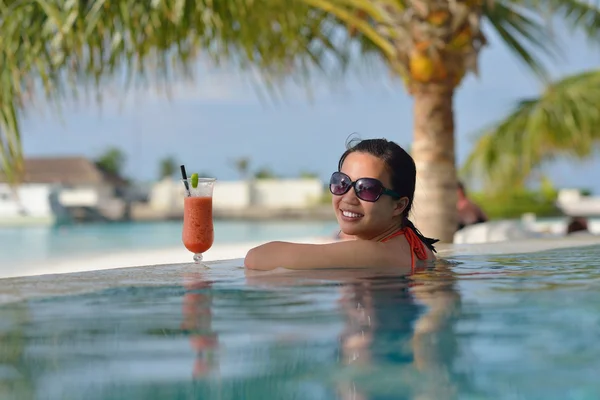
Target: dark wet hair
{"x": 402, "y": 169}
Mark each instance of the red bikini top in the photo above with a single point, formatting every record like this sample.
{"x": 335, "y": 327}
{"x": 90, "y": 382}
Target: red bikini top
{"x": 416, "y": 245}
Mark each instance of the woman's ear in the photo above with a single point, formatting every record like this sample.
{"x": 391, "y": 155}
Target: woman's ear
{"x": 401, "y": 205}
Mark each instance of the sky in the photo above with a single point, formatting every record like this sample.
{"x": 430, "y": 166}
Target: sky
{"x": 208, "y": 123}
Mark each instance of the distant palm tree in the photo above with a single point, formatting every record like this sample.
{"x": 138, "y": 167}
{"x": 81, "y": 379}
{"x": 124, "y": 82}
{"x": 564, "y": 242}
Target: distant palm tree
{"x": 265, "y": 173}
{"x": 563, "y": 120}
{"x": 430, "y": 44}
{"x": 242, "y": 166}
{"x": 167, "y": 167}
{"x": 112, "y": 161}
{"x": 308, "y": 175}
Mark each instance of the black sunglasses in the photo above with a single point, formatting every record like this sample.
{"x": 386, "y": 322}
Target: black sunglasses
{"x": 367, "y": 189}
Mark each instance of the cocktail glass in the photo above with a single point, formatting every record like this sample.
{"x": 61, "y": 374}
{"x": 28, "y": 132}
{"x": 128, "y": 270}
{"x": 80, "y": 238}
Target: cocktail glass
{"x": 198, "y": 230}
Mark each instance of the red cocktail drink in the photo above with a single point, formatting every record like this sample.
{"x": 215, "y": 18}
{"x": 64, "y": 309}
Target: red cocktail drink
{"x": 198, "y": 233}
{"x": 198, "y": 230}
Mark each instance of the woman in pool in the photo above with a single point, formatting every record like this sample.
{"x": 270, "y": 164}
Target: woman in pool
{"x": 373, "y": 192}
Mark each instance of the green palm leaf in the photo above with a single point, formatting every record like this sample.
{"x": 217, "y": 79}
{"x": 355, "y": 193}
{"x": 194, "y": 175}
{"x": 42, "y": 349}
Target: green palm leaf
{"x": 61, "y": 45}
{"x": 563, "y": 121}
{"x": 578, "y": 15}
{"x": 522, "y": 31}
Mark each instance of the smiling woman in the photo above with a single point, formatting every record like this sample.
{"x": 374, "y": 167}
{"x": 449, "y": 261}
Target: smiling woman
{"x": 373, "y": 192}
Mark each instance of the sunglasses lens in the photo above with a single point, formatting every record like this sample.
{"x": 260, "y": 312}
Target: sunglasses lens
{"x": 339, "y": 184}
{"x": 368, "y": 189}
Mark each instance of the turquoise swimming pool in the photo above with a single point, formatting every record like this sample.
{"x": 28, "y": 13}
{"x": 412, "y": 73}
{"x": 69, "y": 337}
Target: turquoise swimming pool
{"x": 473, "y": 327}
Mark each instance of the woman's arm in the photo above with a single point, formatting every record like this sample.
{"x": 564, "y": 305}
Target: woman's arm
{"x": 346, "y": 254}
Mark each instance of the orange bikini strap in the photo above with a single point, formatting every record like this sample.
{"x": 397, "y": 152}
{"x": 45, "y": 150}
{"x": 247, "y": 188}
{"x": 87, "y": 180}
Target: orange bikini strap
{"x": 416, "y": 245}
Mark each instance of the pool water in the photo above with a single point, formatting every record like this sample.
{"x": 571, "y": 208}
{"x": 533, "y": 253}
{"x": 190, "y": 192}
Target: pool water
{"x": 471, "y": 327}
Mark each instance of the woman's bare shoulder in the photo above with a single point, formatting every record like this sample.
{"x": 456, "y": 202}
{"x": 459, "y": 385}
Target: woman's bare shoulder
{"x": 402, "y": 249}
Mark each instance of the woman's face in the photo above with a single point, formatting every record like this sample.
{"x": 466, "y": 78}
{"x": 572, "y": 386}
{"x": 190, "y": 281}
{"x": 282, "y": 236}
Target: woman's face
{"x": 363, "y": 219}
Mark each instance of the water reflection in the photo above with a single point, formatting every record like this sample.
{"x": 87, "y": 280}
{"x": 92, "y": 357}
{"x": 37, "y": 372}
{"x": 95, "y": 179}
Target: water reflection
{"x": 398, "y": 340}
{"x": 14, "y": 374}
{"x": 305, "y": 335}
{"x": 197, "y": 322}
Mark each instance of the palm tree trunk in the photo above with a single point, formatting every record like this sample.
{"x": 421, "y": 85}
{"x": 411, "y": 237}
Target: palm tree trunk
{"x": 434, "y": 209}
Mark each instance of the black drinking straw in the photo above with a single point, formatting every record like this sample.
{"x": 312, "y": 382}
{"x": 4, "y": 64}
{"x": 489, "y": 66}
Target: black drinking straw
{"x": 185, "y": 182}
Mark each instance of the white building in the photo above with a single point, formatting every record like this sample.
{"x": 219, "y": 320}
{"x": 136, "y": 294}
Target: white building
{"x": 52, "y": 187}
{"x": 29, "y": 204}
{"x": 167, "y": 195}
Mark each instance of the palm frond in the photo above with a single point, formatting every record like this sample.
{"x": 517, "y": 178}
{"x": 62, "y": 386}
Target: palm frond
{"x": 522, "y": 31}
{"x": 577, "y": 14}
{"x": 563, "y": 121}
{"x": 346, "y": 11}
{"x": 59, "y": 47}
